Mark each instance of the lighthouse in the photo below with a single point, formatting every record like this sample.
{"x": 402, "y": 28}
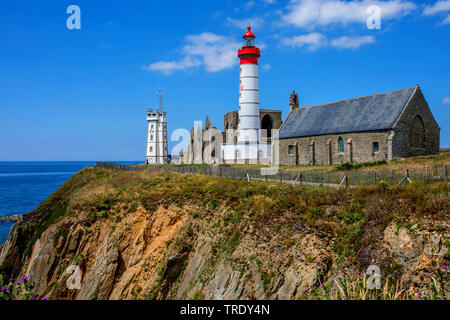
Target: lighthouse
{"x": 245, "y": 146}
{"x": 157, "y": 152}
{"x": 248, "y": 129}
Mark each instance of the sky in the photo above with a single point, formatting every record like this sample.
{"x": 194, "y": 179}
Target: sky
{"x": 81, "y": 94}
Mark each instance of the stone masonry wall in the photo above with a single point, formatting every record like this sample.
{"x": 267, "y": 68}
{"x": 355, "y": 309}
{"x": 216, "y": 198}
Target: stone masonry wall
{"x": 402, "y": 138}
{"x": 358, "y": 147}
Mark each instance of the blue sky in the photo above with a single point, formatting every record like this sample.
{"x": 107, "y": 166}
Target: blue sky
{"x": 82, "y": 94}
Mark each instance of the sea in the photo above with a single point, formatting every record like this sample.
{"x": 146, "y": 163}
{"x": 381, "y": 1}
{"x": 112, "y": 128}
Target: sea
{"x": 24, "y": 185}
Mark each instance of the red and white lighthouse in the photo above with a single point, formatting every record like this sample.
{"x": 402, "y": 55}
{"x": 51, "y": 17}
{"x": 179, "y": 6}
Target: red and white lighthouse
{"x": 248, "y": 130}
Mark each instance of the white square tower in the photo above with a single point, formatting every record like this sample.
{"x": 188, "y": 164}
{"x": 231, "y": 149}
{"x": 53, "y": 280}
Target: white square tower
{"x": 157, "y": 152}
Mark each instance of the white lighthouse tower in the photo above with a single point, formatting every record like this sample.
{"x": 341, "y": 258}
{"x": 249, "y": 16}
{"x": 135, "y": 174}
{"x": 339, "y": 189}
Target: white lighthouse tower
{"x": 157, "y": 152}
{"x": 247, "y": 148}
{"x": 248, "y": 90}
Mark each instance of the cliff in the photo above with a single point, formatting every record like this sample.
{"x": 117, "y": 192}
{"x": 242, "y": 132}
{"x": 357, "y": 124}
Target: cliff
{"x": 142, "y": 235}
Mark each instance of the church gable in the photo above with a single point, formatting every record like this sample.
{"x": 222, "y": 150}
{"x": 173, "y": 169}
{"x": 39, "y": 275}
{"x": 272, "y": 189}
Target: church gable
{"x": 416, "y": 131}
{"x": 371, "y": 113}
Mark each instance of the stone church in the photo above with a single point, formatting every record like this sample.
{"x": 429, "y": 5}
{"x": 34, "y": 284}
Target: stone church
{"x": 384, "y": 126}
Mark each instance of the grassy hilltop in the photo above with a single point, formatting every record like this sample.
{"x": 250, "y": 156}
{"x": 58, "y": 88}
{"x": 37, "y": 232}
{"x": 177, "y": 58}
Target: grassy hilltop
{"x": 147, "y": 235}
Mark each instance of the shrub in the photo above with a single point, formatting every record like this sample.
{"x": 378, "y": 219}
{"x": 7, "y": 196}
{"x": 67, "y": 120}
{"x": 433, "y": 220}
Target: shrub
{"x": 16, "y": 290}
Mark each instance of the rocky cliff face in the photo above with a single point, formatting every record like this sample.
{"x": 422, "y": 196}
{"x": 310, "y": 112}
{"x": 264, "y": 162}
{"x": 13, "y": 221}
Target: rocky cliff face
{"x": 131, "y": 239}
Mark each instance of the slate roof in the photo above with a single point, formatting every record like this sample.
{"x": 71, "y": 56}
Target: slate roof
{"x": 371, "y": 113}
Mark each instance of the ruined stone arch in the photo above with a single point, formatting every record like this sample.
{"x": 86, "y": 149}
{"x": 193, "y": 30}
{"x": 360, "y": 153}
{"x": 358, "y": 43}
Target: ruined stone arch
{"x": 267, "y": 124}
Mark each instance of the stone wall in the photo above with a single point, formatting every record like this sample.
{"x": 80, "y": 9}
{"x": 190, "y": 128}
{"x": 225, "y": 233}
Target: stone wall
{"x": 358, "y": 147}
{"x": 408, "y": 125}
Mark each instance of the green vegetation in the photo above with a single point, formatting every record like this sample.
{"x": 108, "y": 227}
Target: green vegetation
{"x": 352, "y": 166}
{"x": 105, "y": 193}
{"x": 430, "y": 160}
{"x": 11, "y": 289}
{"x": 225, "y": 209}
{"x": 364, "y": 287}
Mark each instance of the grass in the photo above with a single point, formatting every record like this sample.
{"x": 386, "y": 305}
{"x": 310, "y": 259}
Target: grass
{"x": 231, "y": 206}
{"x": 442, "y": 158}
{"x": 105, "y": 189}
{"x": 364, "y": 287}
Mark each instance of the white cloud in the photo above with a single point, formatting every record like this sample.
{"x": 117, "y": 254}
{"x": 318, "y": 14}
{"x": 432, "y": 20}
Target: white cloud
{"x": 167, "y": 67}
{"x": 214, "y": 52}
{"x": 312, "y": 41}
{"x": 266, "y": 66}
{"x": 352, "y": 42}
{"x": 315, "y": 40}
{"x": 446, "y": 20}
{"x": 313, "y": 13}
{"x": 438, "y": 7}
{"x": 446, "y": 100}
{"x": 254, "y": 22}
{"x": 249, "y": 4}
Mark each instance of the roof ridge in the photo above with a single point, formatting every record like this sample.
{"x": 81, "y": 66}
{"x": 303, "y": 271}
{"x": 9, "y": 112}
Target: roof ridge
{"x": 371, "y": 95}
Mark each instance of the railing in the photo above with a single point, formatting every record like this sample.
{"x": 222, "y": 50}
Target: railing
{"x": 425, "y": 175}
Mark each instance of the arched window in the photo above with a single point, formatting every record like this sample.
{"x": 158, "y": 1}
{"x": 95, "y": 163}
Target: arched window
{"x": 341, "y": 145}
{"x": 267, "y": 124}
{"x": 417, "y": 135}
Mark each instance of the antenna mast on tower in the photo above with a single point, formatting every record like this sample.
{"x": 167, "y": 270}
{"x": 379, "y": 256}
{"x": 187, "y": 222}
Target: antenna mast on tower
{"x": 159, "y": 93}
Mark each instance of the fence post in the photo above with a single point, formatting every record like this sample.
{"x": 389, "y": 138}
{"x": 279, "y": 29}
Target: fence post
{"x": 405, "y": 178}
{"x": 281, "y": 176}
{"x": 346, "y": 181}
{"x": 301, "y": 178}
{"x": 445, "y": 172}
{"x": 375, "y": 177}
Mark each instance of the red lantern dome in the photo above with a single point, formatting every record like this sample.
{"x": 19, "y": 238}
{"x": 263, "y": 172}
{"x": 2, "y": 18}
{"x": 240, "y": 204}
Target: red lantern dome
{"x": 249, "y": 53}
{"x": 249, "y": 33}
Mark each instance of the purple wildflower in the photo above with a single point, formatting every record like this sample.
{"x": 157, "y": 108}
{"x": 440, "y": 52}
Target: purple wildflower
{"x": 419, "y": 295}
{"x": 323, "y": 284}
{"x": 18, "y": 282}
{"x": 4, "y": 289}
{"x": 307, "y": 289}
{"x": 427, "y": 294}
{"x": 344, "y": 275}
{"x": 448, "y": 262}
{"x": 33, "y": 298}
{"x": 445, "y": 267}
{"x": 25, "y": 278}
{"x": 44, "y": 298}
{"x": 11, "y": 280}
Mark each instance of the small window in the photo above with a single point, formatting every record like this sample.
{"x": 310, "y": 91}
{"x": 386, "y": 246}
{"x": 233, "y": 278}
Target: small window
{"x": 151, "y": 149}
{"x": 341, "y": 145}
{"x": 375, "y": 147}
{"x": 151, "y": 138}
{"x": 291, "y": 149}
{"x": 416, "y": 140}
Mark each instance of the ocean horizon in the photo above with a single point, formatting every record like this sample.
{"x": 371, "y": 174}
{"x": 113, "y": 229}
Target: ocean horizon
{"x": 25, "y": 184}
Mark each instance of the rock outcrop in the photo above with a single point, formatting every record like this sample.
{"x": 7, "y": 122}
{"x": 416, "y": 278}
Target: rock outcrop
{"x": 194, "y": 252}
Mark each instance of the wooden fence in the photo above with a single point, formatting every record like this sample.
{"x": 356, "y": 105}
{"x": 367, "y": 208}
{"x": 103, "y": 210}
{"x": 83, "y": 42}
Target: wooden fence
{"x": 425, "y": 175}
